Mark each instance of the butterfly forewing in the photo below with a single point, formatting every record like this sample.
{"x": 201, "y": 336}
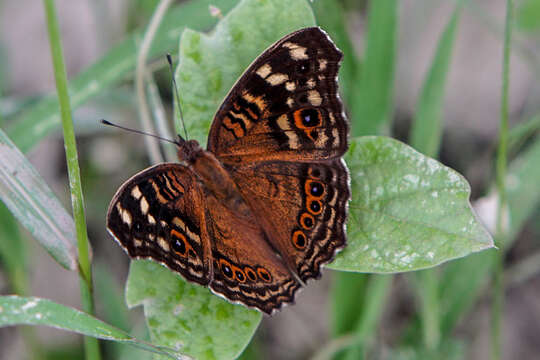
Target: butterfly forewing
{"x": 285, "y": 106}
{"x": 159, "y": 214}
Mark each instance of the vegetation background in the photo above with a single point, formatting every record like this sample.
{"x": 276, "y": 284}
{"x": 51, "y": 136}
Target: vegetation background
{"x": 429, "y": 73}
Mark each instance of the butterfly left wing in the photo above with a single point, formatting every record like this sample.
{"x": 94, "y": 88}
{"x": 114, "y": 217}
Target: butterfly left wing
{"x": 301, "y": 206}
{"x": 285, "y": 106}
{"x": 159, "y": 214}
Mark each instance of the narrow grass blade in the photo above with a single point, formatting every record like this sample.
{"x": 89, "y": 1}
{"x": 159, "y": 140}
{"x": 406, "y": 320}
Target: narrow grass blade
{"x": 427, "y": 125}
{"x": 34, "y": 204}
{"x": 16, "y": 310}
{"x": 374, "y": 104}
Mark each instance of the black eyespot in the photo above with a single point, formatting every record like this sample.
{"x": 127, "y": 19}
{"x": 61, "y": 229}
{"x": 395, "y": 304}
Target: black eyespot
{"x": 137, "y": 226}
{"x": 240, "y": 276}
{"x": 300, "y": 240}
{"x": 315, "y": 206}
{"x": 308, "y": 222}
{"x": 302, "y": 67}
{"x": 226, "y": 269}
{"x": 310, "y": 117}
{"x": 264, "y": 274}
{"x": 179, "y": 246}
{"x": 316, "y": 188}
{"x": 250, "y": 273}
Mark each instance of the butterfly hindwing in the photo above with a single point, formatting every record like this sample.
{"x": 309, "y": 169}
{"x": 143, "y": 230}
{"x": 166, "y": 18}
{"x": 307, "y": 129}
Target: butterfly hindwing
{"x": 285, "y": 106}
{"x": 246, "y": 268}
{"x": 159, "y": 214}
{"x": 303, "y": 208}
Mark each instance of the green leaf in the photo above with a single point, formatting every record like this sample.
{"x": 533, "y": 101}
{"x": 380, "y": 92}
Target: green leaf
{"x": 188, "y": 317}
{"x": 211, "y": 64}
{"x": 34, "y": 204}
{"x": 16, "y": 310}
{"x": 44, "y": 117}
{"x": 374, "y": 102}
{"x": 407, "y": 212}
{"x": 528, "y": 15}
{"x": 427, "y": 125}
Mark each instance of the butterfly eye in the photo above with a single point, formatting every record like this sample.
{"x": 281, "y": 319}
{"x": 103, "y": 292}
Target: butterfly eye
{"x": 264, "y": 274}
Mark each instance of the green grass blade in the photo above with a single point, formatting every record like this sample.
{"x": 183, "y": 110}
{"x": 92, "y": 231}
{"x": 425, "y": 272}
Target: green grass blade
{"x": 426, "y": 137}
{"x": 91, "y": 345}
{"x": 377, "y": 288}
{"x": 44, "y": 117}
{"x": 427, "y": 125}
{"x": 12, "y": 251}
{"x": 374, "y": 104}
{"x": 16, "y": 310}
{"x": 35, "y": 206}
{"x": 501, "y": 232}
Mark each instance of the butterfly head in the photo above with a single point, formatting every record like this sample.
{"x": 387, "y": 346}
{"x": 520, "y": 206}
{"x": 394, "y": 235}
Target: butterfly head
{"x": 188, "y": 150}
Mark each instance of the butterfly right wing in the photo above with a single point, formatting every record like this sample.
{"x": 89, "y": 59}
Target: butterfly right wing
{"x": 159, "y": 214}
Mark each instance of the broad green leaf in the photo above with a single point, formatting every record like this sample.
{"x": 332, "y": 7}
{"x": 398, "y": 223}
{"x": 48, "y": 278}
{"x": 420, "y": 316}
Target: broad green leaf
{"x": 44, "y": 117}
{"x": 407, "y": 212}
{"x": 374, "y": 103}
{"x": 211, "y": 64}
{"x": 34, "y": 204}
{"x": 186, "y": 316}
{"x": 427, "y": 125}
{"x": 16, "y": 310}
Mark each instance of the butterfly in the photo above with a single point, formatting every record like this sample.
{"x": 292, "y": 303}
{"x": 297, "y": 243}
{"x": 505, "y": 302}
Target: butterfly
{"x": 259, "y": 212}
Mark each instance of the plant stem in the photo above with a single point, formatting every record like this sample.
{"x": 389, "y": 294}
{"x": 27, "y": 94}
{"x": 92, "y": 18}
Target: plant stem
{"x": 152, "y": 144}
{"x": 501, "y": 229}
{"x": 376, "y": 293}
{"x": 85, "y": 273}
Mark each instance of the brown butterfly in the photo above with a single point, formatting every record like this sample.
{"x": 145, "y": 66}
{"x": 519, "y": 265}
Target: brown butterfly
{"x": 257, "y": 214}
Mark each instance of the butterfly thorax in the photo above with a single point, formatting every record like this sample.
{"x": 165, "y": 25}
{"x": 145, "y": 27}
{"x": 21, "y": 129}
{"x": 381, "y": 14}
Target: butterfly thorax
{"x": 213, "y": 176}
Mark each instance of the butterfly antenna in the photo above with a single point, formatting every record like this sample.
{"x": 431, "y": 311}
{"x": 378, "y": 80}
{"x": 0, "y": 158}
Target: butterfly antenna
{"x": 177, "y": 96}
{"x": 106, "y": 122}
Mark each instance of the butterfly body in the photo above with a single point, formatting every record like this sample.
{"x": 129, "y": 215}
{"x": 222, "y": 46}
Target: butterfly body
{"x": 260, "y": 211}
